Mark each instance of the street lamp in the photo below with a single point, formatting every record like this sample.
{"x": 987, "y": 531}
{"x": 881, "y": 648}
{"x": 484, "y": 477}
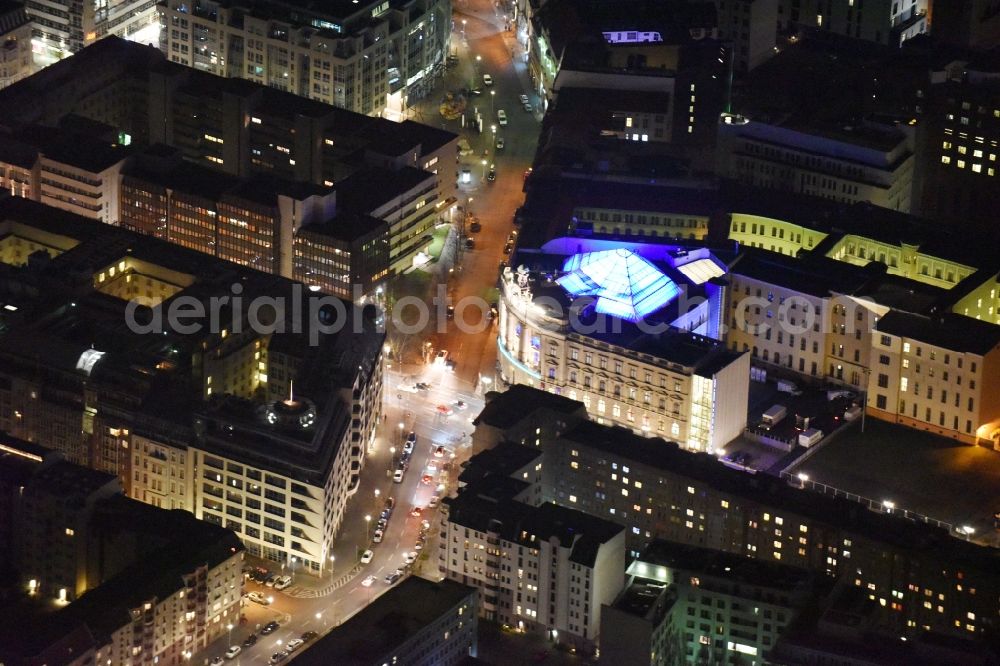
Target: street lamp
{"x": 368, "y": 525}
{"x": 402, "y": 427}
{"x": 392, "y": 450}
{"x": 377, "y": 493}
{"x": 484, "y": 168}
{"x": 494, "y": 128}
{"x": 463, "y": 28}
{"x": 333, "y": 560}
{"x": 493, "y": 94}
{"x": 230, "y": 628}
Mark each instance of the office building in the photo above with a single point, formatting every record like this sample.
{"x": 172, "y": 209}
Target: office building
{"x": 252, "y": 426}
{"x": 937, "y": 373}
{"x": 64, "y": 28}
{"x": 524, "y": 415}
{"x": 129, "y": 582}
{"x": 370, "y": 57}
{"x": 751, "y": 26}
{"x": 416, "y": 622}
{"x": 889, "y": 22}
{"x": 844, "y": 161}
{"x": 344, "y": 256}
{"x": 655, "y": 490}
{"x": 541, "y": 568}
{"x": 685, "y": 604}
{"x": 402, "y": 173}
{"x": 16, "y": 61}
{"x": 639, "y": 352}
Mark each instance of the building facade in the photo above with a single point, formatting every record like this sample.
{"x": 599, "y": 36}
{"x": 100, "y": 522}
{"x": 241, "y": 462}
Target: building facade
{"x": 881, "y": 21}
{"x": 370, "y": 57}
{"x": 16, "y": 60}
{"x": 751, "y": 25}
{"x": 63, "y": 28}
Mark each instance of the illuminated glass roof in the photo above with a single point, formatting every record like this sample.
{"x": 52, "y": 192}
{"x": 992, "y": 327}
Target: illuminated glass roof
{"x": 701, "y": 270}
{"x": 625, "y": 285}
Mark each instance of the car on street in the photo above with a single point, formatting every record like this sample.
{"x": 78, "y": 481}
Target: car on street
{"x": 475, "y": 227}
{"x": 523, "y": 98}
{"x": 377, "y": 537}
{"x": 427, "y": 479}
{"x": 218, "y": 661}
{"x": 502, "y": 116}
{"x": 397, "y": 476}
{"x": 269, "y": 580}
{"x": 407, "y": 448}
{"x": 390, "y": 504}
{"x": 310, "y": 636}
{"x": 450, "y": 365}
{"x": 368, "y": 581}
{"x": 233, "y": 651}
{"x": 500, "y": 143}
{"x": 393, "y": 577}
{"x": 422, "y": 386}
{"x": 258, "y": 598}
{"x": 250, "y": 641}
{"x": 527, "y": 107}
{"x": 425, "y": 525}
{"x": 460, "y": 405}
{"x": 382, "y": 523}
{"x": 492, "y": 175}
{"x": 416, "y": 512}
{"x": 367, "y": 556}
{"x": 281, "y": 582}
{"x": 419, "y": 545}
{"x": 439, "y": 452}
{"x": 475, "y": 91}
{"x": 487, "y": 80}
{"x": 434, "y": 501}
{"x": 270, "y": 628}
{"x": 278, "y": 657}
{"x": 432, "y": 466}
{"x": 470, "y": 244}
{"x": 445, "y": 410}
{"x": 408, "y": 388}
{"x": 508, "y": 248}
{"x": 441, "y": 357}
{"x": 294, "y": 644}
{"x": 410, "y": 557}
{"x": 450, "y": 312}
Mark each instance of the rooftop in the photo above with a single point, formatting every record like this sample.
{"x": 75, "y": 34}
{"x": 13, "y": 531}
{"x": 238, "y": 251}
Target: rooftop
{"x": 382, "y": 627}
{"x": 346, "y": 227}
{"x": 718, "y": 564}
{"x": 949, "y": 331}
{"x": 367, "y": 190}
{"x": 511, "y": 406}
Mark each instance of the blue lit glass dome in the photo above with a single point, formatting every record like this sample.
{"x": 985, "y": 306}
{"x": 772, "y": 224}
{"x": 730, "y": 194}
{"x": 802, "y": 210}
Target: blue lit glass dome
{"x": 625, "y": 285}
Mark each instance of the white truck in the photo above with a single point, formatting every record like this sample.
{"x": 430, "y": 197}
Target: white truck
{"x": 809, "y": 437}
{"x": 774, "y": 416}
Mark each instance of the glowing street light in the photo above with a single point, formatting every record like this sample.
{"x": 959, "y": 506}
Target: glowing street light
{"x": 493, "y": 94}
{"x": 803, "y": 477}
{"x": 463, "y": 28}
{"x": 230, "y": 628}
{"x": 484, "y": 168}
{"x": 889, "y": 505}
{"x": 368, "y": 525}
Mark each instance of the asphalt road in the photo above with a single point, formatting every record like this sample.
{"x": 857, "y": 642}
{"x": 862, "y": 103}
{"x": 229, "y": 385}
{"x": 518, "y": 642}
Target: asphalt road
{"x": 312, "y": 604}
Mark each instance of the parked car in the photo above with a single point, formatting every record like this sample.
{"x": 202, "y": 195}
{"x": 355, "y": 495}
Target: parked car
{"x": 475, "y": 227}
{"x": 502, "y": 116}
{"x": 270, "y": 628}
{"x": 377, "y": 537}
{"x": 434, "y": 501}
{"x": 218, "y": 661}
{"x": 250, "y": 641}
{"x": 393, "y": 577}
{"x": 407, "y": 447}
{"x": 423, "y": 386}
{"x": 439, "y": 452}
{"x": 487, "y": 80}
{"x": 281, "y": 582}
{"x": 470, "y": 244}
{"x": 367, "y": 556}
{"x": 416, "y": 511}
{"x": 410, "y": 557}
{"x": 233, "y": 651}
{"x": 508, "y": 248}
{"x": 368, "y": 581}
{"x": 278, "y": 657}
{"x": 310, "y": 636}
{"x": 523, "y": 98}
{"x": 492, "y": 175}
{"x": 460, "y": 405}
{"x": 527, "y": 107}
{"x": 294, "y": 644}
{"x": 500, "y": 143}
{"x": 397, "y": 476}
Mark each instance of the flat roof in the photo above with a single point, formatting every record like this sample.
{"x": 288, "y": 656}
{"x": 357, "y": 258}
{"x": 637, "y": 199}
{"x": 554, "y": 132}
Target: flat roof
{"x": 513, "y": 405}
{"x": 346, "y": 227}
{"x": 814, "y": 275}
{"x": 368, "y": 189}
{"x": 948, "y": 331}
{"x": 387, "y": 623}
{"x": 720, "y": 564}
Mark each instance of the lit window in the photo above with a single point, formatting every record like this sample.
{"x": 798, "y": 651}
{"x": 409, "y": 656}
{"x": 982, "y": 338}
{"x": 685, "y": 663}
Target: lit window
{"x": 572, "y": 498}
{"x": 255, "y": 120}
{"x": 945, "y": 159}
{"x": 69, "y": 531}
{"x": 977, "y": 168}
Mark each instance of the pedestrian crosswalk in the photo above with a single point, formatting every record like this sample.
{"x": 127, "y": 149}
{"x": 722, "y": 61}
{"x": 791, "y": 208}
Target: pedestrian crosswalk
{"x": 300, "y": 592}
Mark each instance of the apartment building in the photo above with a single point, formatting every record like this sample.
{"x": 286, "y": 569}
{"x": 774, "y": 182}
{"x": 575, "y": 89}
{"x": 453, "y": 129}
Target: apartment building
{"x": 540, "y": 568}
{"x": 685, "y": 604}
{"x": 917, "y": 577}
{"x": 246, "y": 129}
{"x": 642, "y": 360}
{"x": 419, "y": 621}
{"x": 370, "y": 57}
{"x": 132, "y": 583}
{"x": 16, "y": 61}
{"x": 262, "y": 432}
{"x": 522, "y": 414}
{"x": 845, "y": 161}
{"x": 17, "y": 161}
{"x": 889, "y": 22}
{"x": 63, "y": 28}
{"x": 937, "y": 373}
{"x": 751, "y": 25}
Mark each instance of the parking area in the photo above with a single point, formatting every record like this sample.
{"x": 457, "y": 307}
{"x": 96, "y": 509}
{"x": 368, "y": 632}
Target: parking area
{"x": 916, "y": 471}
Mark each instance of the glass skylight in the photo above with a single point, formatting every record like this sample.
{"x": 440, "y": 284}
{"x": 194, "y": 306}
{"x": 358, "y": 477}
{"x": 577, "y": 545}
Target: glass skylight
{"x": 701, "y": 270}
{"x": 625, "y": 285}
